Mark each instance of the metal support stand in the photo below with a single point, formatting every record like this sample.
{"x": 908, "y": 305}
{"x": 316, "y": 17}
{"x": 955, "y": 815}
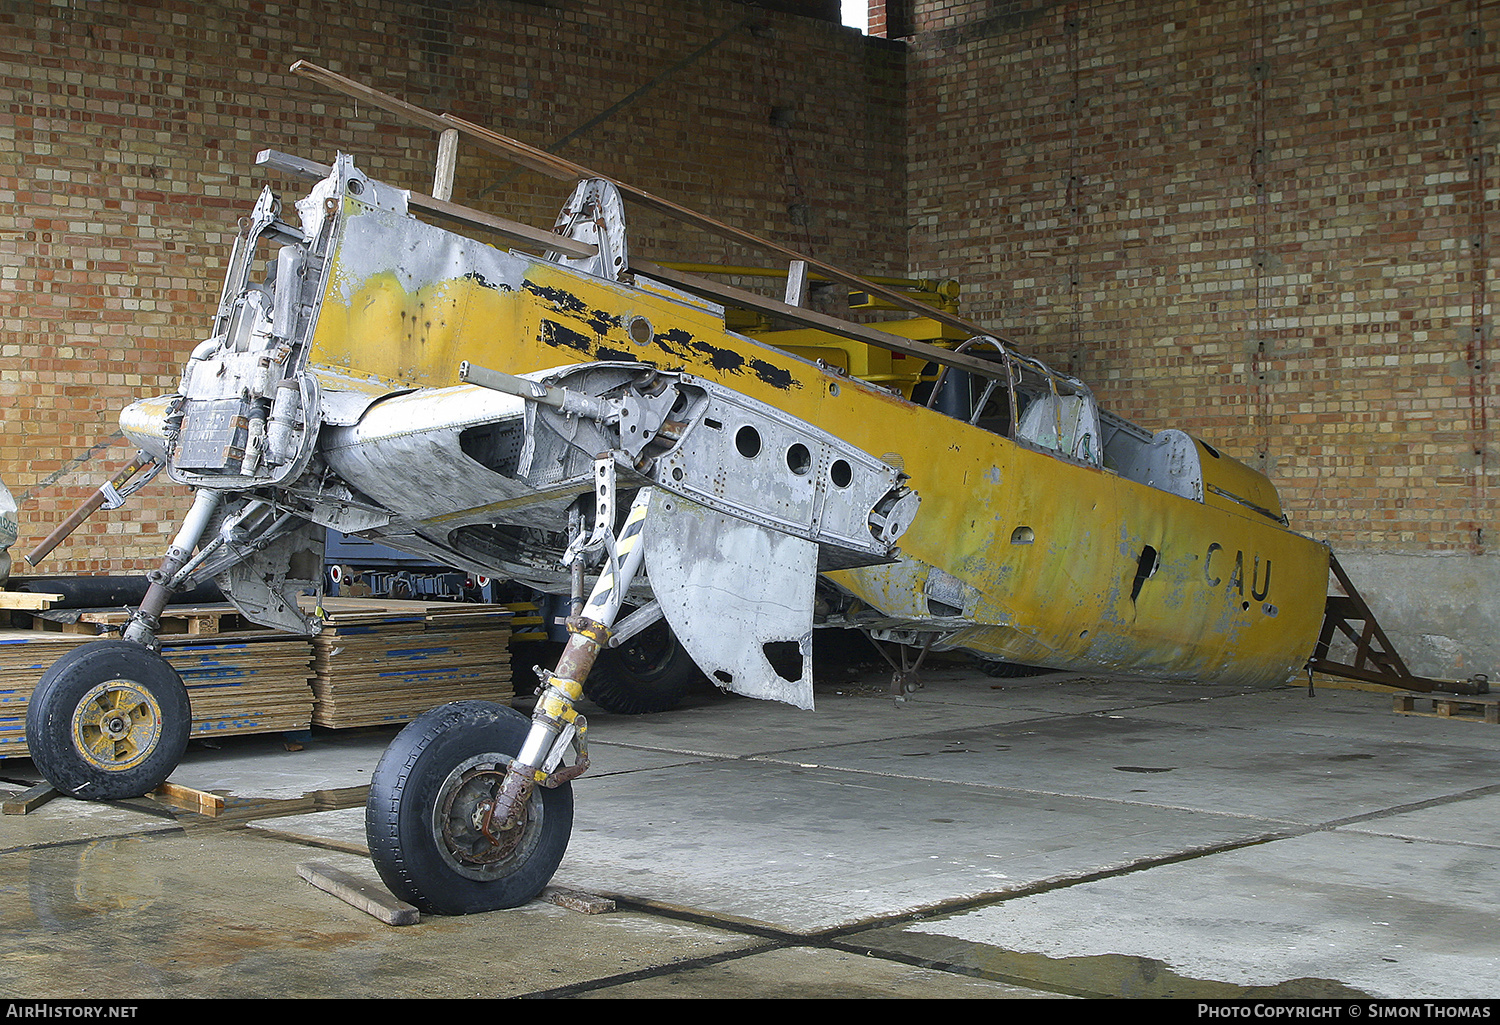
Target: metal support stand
{"x": 904, "y": 677}
{"x": 1375, "y": 657}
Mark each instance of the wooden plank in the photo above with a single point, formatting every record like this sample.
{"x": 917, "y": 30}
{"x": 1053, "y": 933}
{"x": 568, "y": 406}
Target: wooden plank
{"x": 374, "y": 97}
{"x": 29, "y": 800}
{"x": 536, "y": 160}
{"x": 563, "y": 169}
{"x": 187, "y": 797}
{"x": 515, "y": 231}
{"x": 372, "y": 899}
{"x": 447, "y": 164}
{"x": 23, "y": 600}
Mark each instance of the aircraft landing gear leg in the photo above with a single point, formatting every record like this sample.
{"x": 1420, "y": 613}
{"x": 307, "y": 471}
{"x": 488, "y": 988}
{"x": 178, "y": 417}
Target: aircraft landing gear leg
{"x": 456, "y": 819}
{"x": 111, "y": 718}
{"x": 168, "y": 577}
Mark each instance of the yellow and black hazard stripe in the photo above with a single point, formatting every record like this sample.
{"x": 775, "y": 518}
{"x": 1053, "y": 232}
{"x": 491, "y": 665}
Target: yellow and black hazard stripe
{"x": 603, "y": 594}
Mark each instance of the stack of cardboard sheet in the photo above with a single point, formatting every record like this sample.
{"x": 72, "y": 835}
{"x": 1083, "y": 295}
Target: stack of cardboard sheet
{"x": 378, "y": 661}
{"x": 245, "y": 682}
{"x": 24, "y": 657}
{"x": 255, "y": 682}
{"x": 239, "y": 687}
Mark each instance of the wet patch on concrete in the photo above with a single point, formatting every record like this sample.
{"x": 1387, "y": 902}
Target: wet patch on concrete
{"x": 1100, "y": 975}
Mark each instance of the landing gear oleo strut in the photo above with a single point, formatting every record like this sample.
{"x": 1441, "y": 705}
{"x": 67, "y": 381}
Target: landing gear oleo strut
{"x": 470, "y": 809}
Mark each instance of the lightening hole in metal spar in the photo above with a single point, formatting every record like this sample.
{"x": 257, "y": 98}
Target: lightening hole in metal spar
{"x": 799, "y": 459}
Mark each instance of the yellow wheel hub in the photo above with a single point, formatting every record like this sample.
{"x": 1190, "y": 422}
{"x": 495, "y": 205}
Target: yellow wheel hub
{"x": 116, "y": 725}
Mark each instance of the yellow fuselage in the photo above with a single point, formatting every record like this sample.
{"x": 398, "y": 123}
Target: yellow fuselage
{"x": 1040, "y": 558}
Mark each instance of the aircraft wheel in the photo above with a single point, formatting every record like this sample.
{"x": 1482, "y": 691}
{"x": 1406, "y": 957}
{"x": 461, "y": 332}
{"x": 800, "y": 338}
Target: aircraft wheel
{"x": 651, "y": 672}
{"x": 1010, "y": 670}
{"x": 108, "y": 720}
{"x": 427, "y": 801}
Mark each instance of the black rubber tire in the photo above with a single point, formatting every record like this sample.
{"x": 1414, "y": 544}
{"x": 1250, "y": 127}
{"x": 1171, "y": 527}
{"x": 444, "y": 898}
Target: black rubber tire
{"x": 1010, "y": 670}
{"x": 415, "y": 775}
{"x": 109, "y": 720}
{"x": 651, "y": 672}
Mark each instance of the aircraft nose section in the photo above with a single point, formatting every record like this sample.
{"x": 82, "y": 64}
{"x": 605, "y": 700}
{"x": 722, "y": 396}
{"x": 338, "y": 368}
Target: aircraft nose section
{"x": 144, "y": 423}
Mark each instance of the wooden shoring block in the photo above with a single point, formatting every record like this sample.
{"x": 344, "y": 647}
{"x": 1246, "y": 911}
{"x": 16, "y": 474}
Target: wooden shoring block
{"x": 1465, "y": 708}
{"x": 188, "y": 798}
{"x": 29, "y": 800}
{"x": 368, "y": 897}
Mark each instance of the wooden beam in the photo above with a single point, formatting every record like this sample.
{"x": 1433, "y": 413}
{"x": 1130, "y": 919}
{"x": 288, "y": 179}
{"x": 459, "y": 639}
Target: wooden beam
{"x": 447, "y": 164}
{"x": 27, "y": 600}
{"x": 189, "y": 798}
{"x": 526, "y": 156}
{"x": 29, "y": 800}
{"x": 374, "y": 97}
{"x": 566, "y": 170}
{"x": 521, "y": 153}
{"x": 367, "y": 895}
{"x": 515, "y": 231}
{"x": 539, "y": 238}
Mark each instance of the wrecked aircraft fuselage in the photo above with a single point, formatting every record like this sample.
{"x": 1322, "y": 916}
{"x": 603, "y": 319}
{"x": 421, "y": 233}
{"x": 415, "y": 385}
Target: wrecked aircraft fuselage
{"x": 1050, "y": 533}
{"x": 530, "y": 417}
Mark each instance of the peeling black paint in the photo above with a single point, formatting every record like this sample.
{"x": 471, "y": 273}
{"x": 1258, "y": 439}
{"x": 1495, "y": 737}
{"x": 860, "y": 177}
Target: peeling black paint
{"x": 731, "y": 361}
{"x": 557, "y": 336}
{"x": 560, "y": 337}
{"x": 604, "y": 352}
{"x": 484, "y": 282}
{"x": 601, "y": 321}
{"x": 675, "y": 342}
{"x": 723, "y": 360}
{"x": 776, "y": 377}
{"x": 563, "y": 301}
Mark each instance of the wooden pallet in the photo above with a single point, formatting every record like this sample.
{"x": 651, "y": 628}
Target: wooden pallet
{"x": 1470, "y": 708}
{"x": 176, "y": 619}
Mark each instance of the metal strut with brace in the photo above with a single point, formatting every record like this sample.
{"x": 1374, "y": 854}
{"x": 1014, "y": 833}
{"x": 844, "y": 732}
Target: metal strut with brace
{"x": 555, "y": 723}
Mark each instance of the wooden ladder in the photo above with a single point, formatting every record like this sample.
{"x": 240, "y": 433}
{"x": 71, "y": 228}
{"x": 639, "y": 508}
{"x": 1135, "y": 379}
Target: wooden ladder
{"x": 1375, "y": 657}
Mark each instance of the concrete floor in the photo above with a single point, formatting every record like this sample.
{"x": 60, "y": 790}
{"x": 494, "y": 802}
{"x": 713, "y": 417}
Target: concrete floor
{"x": 1034, "y": 838}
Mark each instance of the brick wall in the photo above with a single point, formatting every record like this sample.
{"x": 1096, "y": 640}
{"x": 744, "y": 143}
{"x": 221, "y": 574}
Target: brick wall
{"x": 1270, "y": 222}
{"x": 128, "y": 132}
